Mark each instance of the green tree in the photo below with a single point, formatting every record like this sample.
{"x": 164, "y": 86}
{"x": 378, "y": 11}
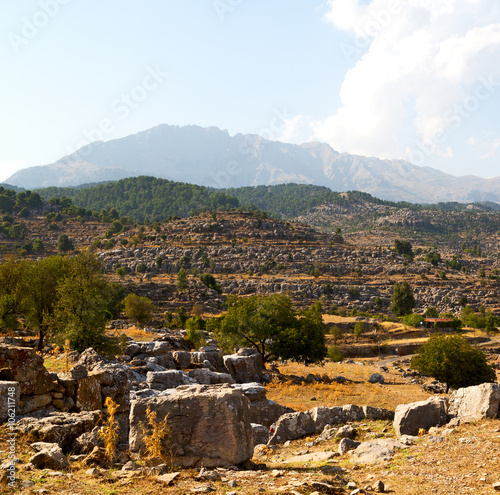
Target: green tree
{"x": 359, "y": 329}
{"x": 431, "y": 312}
{"x": 12, "y": 275}
{"x": 81, "y": 310}
{"x": 272, "y": 326}
{"x": 40, "y": 293}
{"x": 138, "y": 309}
{"x": 403, "y": 301}
{"x": 404, "y": 248}
{"x": 64, "y": 243}
{"x": 182, "y": 280}
{"x": 209, "y": 280}
{"x": 452, "y": 360}
{"x": 433, "y": 258}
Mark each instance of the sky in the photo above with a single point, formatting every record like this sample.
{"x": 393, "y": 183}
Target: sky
{"x": 409, "y": 79}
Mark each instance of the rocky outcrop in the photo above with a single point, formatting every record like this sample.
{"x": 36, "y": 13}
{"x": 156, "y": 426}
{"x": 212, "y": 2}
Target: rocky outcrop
{"x": 296, "y": 425}
{"x": 410, "y": 418}
{"x": 59, "y": 428}
{"x": 208, "y": 425}
{"x": 25, "y": 366}
{"x": 245, "y": 366}
{"x": 473, "y": 403}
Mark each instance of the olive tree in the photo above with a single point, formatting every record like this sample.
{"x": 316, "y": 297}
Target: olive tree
{"x": 452, "y": 360}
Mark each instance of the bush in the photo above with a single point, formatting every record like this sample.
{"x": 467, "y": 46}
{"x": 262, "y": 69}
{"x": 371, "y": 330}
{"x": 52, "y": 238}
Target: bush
{"x": 359, "y": 329}
{"x": 452, "y": 360}
{"x": 64, "y": 243}
{"x": 138, "y": 309}
{"x": 335, "y": 354}
{"x": 413, "y": 320}
{"x": 142, "y": 268}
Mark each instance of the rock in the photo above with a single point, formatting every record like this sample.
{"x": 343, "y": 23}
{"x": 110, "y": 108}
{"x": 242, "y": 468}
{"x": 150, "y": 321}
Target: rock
{"x": 168, "y": 478}
{"x": 322, "y": 487}
{"x": 182, "y": 359}
{"x": 263, "y": 411}
{"x": 88, "y": 394}
{"x": 214, "y": 357}
{"x": 204, "y": 376}
{"x": 323, "y": 416}
{"x": 376, "y": 451}
{"x": 96, "y": 458}
{"x": 291, "y": 426}
{"x": 33, "y": 403}
{"x": 86, "y": 442}
{"x": 209, "y": 425}
{"x": 410, "y": 418}
{"x": 473, "y": 403}
{"x": 378, "y": 413}
{"x": 347, "y": 444}
{"x": 244, "y": 369}
{"x": 131, "y": 466}
{"x": 376, "y": 378}
{"x": 10, "y": 392}
{"x": 90, "y": 358}
{"x": 312, "y": 457}
{"x": 496, "y": 486}
{"x": 50, "y": 458}
{"x": 163, "y": 380}
{"x": 379, "y": 486}
{"x": 26, "y": 367}
{"x": 60, "y": 428}
{"x": 347, "y": 431}
{"x": 260, "y": 434}
{"x": 40, "y": 446}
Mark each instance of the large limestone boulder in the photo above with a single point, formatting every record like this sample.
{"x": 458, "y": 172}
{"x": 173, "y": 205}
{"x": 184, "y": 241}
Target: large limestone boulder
{"x": 25, "y": 366}
{"x": 478, "y": 402}
{"x": 209, "y": 425}
{"x": 263, "y": 411}
{"x": 163, "y": 380}
{"x": 291, "y": 426}
{"x": 204, "y": 376}
{"x": 244, "y": 368}
{"x": 409, "y": 418}
{"x": 376, "y": 451}
{"x": 60, "y": 428}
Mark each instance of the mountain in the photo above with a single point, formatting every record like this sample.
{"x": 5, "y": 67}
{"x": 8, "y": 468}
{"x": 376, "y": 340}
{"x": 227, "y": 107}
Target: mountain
{"x": 211, "y": 157}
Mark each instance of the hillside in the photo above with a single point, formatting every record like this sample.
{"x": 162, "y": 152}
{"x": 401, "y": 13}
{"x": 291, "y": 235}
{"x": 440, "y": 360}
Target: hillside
{"x": 212, "y": 158}
{"x": 148, "y": 199}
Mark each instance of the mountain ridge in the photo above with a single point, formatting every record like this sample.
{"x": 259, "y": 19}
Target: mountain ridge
{"x": 211, "y": 157}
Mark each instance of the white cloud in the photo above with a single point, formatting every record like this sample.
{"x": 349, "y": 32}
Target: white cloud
{"x": 412, "y": 63}
{"x": 296, "y": 130}
{"x": 492, "y": 149}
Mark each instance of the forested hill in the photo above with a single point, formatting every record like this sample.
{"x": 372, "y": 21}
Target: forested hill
{"x": 292, "y": 200}
{"x": 145, "y": 198}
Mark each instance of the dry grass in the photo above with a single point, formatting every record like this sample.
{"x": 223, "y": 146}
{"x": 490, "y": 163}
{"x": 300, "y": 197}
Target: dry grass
{"x": 357, "y": 391}
{"x": 139, "y": 334}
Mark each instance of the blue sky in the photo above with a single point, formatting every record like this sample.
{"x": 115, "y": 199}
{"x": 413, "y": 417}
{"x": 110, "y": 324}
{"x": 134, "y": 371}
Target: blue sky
{"x": 414, "y": 79}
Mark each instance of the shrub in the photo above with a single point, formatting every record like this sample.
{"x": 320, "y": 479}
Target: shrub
{"x": 142, "y": 268}
{"x": 154, "y": 433}
{"x": 359, "y": 329}
{"x": 138, "y": 309}
{"x": 413, "y": 320}
{"x": 109, "y": 432}
{"x": 335, "y": 354}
